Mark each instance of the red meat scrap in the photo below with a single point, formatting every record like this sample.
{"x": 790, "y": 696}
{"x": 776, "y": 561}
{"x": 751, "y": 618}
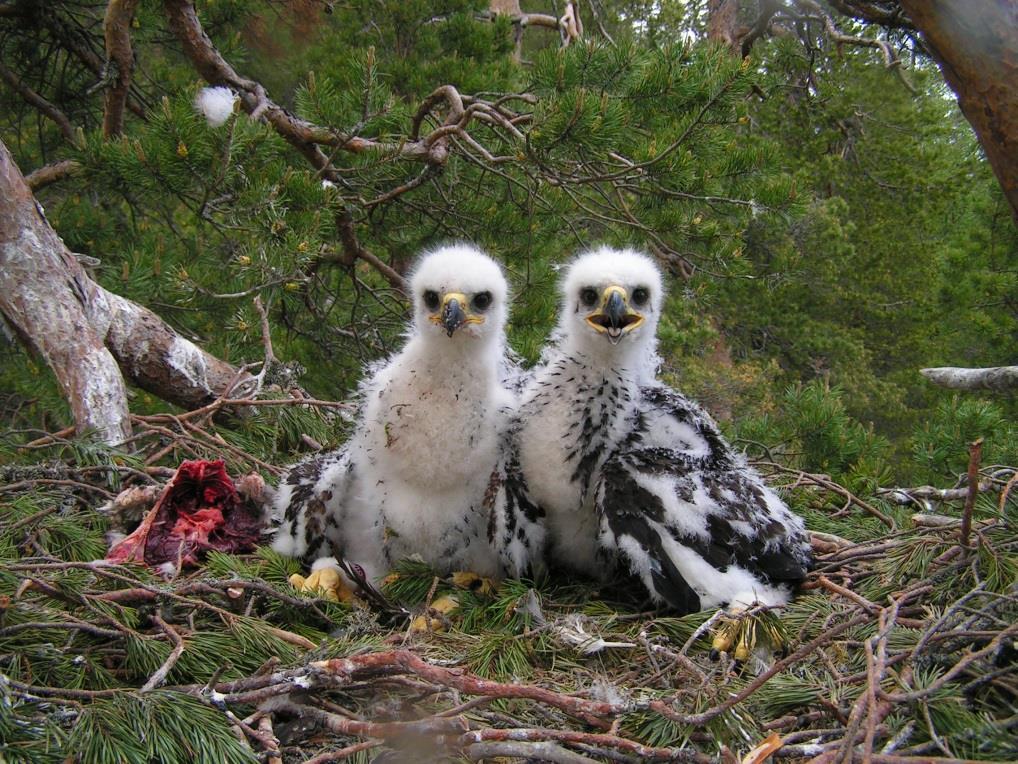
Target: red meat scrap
{"x": 198, "y": 510}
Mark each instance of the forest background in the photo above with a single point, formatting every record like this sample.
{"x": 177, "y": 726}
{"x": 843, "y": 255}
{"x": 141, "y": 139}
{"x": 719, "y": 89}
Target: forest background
{"x": 828, "y": 219}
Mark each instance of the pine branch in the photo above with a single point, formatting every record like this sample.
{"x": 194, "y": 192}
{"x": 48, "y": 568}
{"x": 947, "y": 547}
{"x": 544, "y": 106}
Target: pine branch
{"x": 303, "y": 135}
{"x": 87, "y": 335}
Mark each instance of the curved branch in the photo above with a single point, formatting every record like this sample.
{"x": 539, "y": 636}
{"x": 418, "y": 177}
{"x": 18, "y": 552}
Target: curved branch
{"x": 305, "y": 136}
{"x": 302, "y": 135}
{"x": 887, "y": 15}
{"x": 43, "y": 296}
{"x": 446, "y": 93}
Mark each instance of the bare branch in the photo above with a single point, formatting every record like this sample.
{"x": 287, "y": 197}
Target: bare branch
{"x": 888, "y": 15}
{"x": 160, "y": 674}
{"x": 161, "y": 361}
{"x": 51, "y": 173}
{"x": 537, "y": 751}
{"x": 763, "y": 20}
{"x": 402, "y": 661}
{"x": 303, "y": 135}
{"x": 975, "y": 456}
{"x": 354, "y": 250}
{"x": 995, "y": 378}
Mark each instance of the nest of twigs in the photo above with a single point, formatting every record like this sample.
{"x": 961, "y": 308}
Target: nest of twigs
{"x": 900, "y": 646}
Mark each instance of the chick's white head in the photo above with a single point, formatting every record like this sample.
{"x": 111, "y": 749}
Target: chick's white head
{"x": 612, "y": 300}
{"x": 460, "y": 295}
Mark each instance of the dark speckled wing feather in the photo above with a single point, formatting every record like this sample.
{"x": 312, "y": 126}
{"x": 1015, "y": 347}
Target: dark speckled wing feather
{"x": 515, "y": 526}
{"x": 690, "y": 518}
{"x": 311, "y": 499}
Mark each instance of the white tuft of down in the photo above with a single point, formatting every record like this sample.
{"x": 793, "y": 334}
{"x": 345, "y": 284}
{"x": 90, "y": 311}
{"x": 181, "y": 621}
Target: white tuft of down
{"x": 215, "y": 104}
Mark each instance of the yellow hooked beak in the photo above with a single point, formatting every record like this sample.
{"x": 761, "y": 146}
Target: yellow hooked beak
{"x": 454, "y": 312}
{"x": 614, "y": 317}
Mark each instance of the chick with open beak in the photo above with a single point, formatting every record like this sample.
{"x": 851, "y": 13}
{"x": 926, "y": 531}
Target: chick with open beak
{"x": 614, "y": 316}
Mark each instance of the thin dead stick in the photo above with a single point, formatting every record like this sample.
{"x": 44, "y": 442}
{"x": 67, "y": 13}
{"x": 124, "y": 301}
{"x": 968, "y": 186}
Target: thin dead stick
{"x": 32, "y": 482}
{"x": 644, "y": 752}
{"x": 858, "y": 599}
{"x": 971, "y": 657}
{"x": 429, "y": 725}
{"x": 403, "y": 661}
{"x": 975, "y": 456}
{"x": 830, "y": 485}
{"x": 1006, "y": 491}
{"x": 265, "y": 727}
{"x": 343, "y": 753}
{"x": 542, "y": 751}
{"x": 171, "y": 660}
{"x": 46, "y": 440}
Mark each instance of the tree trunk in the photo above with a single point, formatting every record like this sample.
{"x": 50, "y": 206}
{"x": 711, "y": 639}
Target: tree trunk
{"x": 722, "y": 23}
{"x": 976, "y": 46}
{"x": 44, "y": 296}
{"x": 91, "y": 338}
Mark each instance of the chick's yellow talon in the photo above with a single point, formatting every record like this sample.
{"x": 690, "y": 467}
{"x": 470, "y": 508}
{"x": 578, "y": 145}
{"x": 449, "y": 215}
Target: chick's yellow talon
{"x": 445, "y": 604}
{"x": 725, "y": 635}
{"x": 739, "y": 634}
{"x": 436, "y": 617}
{"x": 326, "y": 583}
{"x": 422, "y": 624}
{"x": 465, "y": 579}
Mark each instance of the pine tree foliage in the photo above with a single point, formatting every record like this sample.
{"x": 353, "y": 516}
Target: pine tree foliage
{"x": 160, "y": 726}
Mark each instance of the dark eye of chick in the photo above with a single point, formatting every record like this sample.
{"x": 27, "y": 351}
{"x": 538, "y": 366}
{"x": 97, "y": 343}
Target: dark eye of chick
{"x": 588, "y": 296}
{"x": 482, "y": 300}
{"x": 640, "y": 296}
{"x": 431, "y": 299}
